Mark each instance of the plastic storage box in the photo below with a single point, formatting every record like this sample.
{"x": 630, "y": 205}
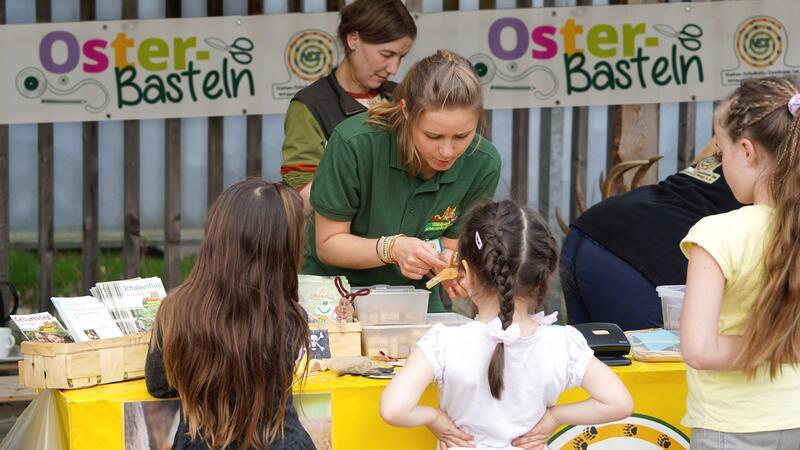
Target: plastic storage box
{"x": 671, "y": 304}
{"x": 398, "y": 340}
{"x": 392, "y": 305}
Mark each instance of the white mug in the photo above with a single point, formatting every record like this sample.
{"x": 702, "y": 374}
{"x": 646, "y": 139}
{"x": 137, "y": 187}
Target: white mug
{"x": 7, "y": 342}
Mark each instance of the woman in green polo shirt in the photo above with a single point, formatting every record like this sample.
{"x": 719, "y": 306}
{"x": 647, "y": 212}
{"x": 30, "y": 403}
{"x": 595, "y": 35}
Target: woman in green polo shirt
{"x": 401, "y": 174}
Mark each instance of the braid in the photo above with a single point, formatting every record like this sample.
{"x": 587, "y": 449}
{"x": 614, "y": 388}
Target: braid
{"x": 514, "y": 257}
{"x": 503, "y": 267}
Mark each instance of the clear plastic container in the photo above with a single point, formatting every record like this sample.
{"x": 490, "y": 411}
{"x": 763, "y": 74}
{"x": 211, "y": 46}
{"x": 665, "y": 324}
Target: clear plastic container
{"x": 398, "y": 340}
{"x": 671, "y": 305}
{"x": 392, "y": 305}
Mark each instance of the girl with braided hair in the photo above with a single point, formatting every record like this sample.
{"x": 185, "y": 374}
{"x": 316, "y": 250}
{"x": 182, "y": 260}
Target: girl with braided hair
{"x": 500, "y": 376}
{"x": 740, "y": 324}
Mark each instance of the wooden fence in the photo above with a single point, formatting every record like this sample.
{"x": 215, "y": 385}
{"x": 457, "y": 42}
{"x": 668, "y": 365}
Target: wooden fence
{"x": 632, "y": 133}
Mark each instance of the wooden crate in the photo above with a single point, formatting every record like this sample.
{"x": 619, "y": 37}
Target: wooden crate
{"x": 83, "y": 364}
{"x": 345, "y": 338}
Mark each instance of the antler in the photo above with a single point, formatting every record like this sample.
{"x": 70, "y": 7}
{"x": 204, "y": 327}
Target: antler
{"x": 642, "y": 171}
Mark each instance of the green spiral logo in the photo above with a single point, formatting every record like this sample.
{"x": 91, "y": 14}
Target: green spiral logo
{"x": 759, "y": 41}
{"x": 311, "y": 54}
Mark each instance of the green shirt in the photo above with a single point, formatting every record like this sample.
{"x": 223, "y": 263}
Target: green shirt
{"x": 302, "y": 146}
{"x": 361, "y": 179}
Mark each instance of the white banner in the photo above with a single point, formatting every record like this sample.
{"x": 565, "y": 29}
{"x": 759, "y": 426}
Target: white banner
{"x": 536, "y": 57}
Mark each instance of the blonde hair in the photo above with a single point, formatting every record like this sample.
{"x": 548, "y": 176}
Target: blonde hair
{"x": 758, "y": 110}
{"x": 443, "y": 80}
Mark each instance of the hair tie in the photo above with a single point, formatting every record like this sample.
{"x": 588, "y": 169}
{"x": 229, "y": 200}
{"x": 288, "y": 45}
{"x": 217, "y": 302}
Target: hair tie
{"x": 794, "y": 104}
{"x": 478, "y": 241}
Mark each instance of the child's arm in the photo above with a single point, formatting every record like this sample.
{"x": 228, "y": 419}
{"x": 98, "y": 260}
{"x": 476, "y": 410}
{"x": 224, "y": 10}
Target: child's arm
{"x": 702, "y": 346}
{"x": 399, "y": 403}
{"x": 609, "y": 400}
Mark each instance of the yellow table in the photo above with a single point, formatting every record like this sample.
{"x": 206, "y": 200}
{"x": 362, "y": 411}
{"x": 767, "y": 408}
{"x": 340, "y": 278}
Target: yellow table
{"x": 93, "y": 417}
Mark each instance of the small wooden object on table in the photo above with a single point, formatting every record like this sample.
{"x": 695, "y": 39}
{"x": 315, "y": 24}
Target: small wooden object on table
{"x": 344, "y": 337}
{"x": 83, "y": 364}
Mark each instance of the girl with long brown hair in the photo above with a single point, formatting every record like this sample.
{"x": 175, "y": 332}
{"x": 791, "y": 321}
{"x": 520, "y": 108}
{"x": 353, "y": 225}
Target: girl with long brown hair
{"x": 740, "y": 324}
{"x": 227, "y": 339}
{"x": 499, "y": 376}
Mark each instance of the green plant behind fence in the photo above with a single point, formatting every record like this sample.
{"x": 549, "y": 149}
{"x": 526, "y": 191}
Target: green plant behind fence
{"x": 68, "y": 276}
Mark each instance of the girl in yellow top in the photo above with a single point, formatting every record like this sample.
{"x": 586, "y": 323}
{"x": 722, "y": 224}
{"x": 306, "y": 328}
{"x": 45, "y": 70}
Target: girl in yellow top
{"x": 740, "y": 326}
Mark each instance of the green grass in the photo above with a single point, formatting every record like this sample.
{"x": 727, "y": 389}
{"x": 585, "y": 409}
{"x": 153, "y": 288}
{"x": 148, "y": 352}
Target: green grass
{"x": 68, "y": 272}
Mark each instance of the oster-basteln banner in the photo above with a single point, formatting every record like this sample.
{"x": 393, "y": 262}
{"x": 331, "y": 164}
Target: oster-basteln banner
{"x": 525, "y": 58}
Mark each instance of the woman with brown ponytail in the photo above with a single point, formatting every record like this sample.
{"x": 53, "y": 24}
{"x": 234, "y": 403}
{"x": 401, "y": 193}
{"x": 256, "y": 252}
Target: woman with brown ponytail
{"x": 226, "y": 340}
{"x": 500, "y": 376}
{"x": 740, "y": 324}
{"x": 401, "y": 174}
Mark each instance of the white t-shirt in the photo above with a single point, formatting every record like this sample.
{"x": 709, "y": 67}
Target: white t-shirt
{"x": 538, "y": 368}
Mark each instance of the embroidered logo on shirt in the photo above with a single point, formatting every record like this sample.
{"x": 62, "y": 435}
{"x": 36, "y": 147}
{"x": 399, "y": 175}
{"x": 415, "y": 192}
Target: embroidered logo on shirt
{"x": 704, "y": 170}
{"x": 443, "y": 221}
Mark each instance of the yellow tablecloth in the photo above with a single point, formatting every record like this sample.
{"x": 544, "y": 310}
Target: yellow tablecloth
{"x": 93, "y": 417}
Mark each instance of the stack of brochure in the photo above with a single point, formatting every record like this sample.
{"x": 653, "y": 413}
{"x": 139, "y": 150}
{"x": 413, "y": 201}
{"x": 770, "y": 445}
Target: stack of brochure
{"x": 132, "y": 303}
{"x": 41, "y": 327}
{"x": 116, "y": 308}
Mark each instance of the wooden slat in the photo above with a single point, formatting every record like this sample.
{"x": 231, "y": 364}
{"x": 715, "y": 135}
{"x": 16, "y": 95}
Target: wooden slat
{"x": 90, "y": 248}
{"x": 414, "y": 6}
{"x": 334, "y": 5}
{"x": 483, "y": 4}
{"x": 519, "y": 155}
{"x": 4, "y": 206}
{"x": 639, "y": 136}
{"x": 172, "y": 9}
{"x": 12, "y": 391}
{"x": 687, "y": 119}
{"x": 580, "y": 146}
{"x": 172, "y": 202}
{"x": 216, "y": 157}
{"x": 214, "y": 8}
{"x": 46, "y": 246}
{"x": 687, "y": 129}
{"x": 90, "y": 206}
{"x": 216, "y": 133}
{"x": 295, "y": 5}
{"x": 519, "y": 141}
{"x": 132, "y": 227}
{"x": 613, "y": 125}
{"x": 254, "y": 121}
{"x": 578, "y": 152}
{"x": 172, "y": 187}
{"x": 638, "y": 130}
{"x": 450, "y": 5}
{"x": 547, "y": 122}
{"x": 545, "y": 153}
{"x": 254, "y": 133}
{"x": 5, "y": 213}
{"x": 130, "y": 9}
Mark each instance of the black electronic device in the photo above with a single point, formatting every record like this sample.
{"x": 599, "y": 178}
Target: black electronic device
{"x": 609, "y": 343}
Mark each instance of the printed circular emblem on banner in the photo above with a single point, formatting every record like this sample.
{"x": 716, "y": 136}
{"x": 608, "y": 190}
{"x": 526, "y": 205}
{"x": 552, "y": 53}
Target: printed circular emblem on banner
{"x": 31, "y": 82}
{"x": 637, "y": 432}
{"x": 311, "y": 54}
{"x": 484, "y": 67}
{"x": 759, "y": 41}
